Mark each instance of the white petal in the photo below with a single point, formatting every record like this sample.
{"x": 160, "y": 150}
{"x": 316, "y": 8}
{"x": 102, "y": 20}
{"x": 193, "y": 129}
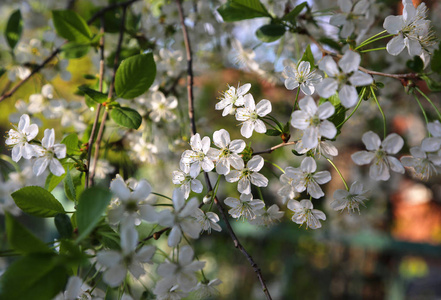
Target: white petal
{"x": 328, "y": 65}
{"x": 259, "y": 126}
{"x": 395, "y": 165}
{"x": 327, "y": 87}
{"x": 247, "y": 129}
{"x": 291, "y": 83}
{"x": 350, "y": 61}
{"x": 348, "y": 96}
{"x": 393, "y": 24}
{"x": 310, "y": 137}
{"x": 175, "y": 236}
{"x": 392, "y": 143}
{"x": 259, "y": 180}
{"x": 371, "y": 140}
{"x": 325, "y": 110}
{"x": 327, "y": 129}
{"x": 379, "y": 171}
{"x": 255, "y": 163}
{"x": 115, "y": 275}
{"x": 413, "y": 46}
{"x": 263, "y": 108}
{"x": 308, "y": 165}
{"x": 322, "y": 177}
{"x": 395, "y": 45}
{"x": 360, "y": 79}
{"x": 362, "y": 157}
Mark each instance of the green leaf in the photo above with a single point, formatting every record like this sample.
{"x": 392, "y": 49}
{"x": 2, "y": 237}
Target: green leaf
{"x": 38, "y": 202}
{"x": 296, "y": 153}
{"x": 71, "y": 142}
{"x": 52, "y": 181}
{"x": 435, "y": 63}
{"x": 416, "y": 64}
{"x": 96, "y": 96}
{"x": 307, "y": 56}
{"x": 64, "y": 226}
{"x": 292, "y": 15}
{"x": 270, "y": 32}
{"x": 74, "y": 184}
{"x": 338, "y": 117}
{"x": 433, "y": 85}
{"x": 21, "y": 239}
{"x": 91, "y": 206}
{"x": 71, "y": 26}
{"x": 14, "y": 28}
{"x": 126, "y": 117}
{"x": 237, "y": 10}
{"x": 273, "y": 132}
{"x": 330, "y": 42}
{"x": 36, "y": 277}
{"x": 74, "y": 50}
{"x": 135, "y": 75}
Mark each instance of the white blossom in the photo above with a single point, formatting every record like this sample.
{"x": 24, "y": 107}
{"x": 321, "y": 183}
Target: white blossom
{"x": 352, "y": 13}
{"x": 313, "y": 121}
{"x": 20, "y": 138}
{"x": 117, "y": 263}
{"x": 168, "y": 289}
{"x": 306, "y": 178}
{"x": 232, "y": 98}
{"x": 207, "y": 289}
{"x": 245, "y": 207}
{"x": 193, "y": 160}
{"x": 207, "y": 220}
{"x": 248, "y": 175}
{"x": 424, "y": 164}
{"x": 301, "y": 76}
{"x": 187, "y": 182}
{"x": 287, "y": 191}
{"x": 324, "y": 148}
{"x": 350, "y": 200}
{"x": 267, "y": 217}
{"x": 161, "y": 107}
{"x": 48, "y": 154}
{"x": 344, "y": 78}
{"x": 432, "y": 144}
{"x": 304, "y": 212}
{"x": 228, "y": 153}
{"x": 250, "y": 113}
{"x": 412, "y": 30}
{"x": 183, "y": 270}
{"x": 129, "y": 207}
{"x": 180, "y": 219}
{"x": 379, "y": 155}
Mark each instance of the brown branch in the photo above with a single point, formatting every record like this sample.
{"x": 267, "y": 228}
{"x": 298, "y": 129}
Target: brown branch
{"x": 189, "y": 69}
{"x": 156, "y": 235}
{"x": 269, "y": 150}
{"x": 110, "y": 95}
{"x": 236, "y": 241}
{"x": 98, "y": 107}
{"x": 224, "y": 216}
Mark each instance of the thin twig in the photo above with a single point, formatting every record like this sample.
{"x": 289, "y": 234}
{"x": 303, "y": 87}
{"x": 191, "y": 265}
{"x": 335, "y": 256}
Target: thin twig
{"x": 224, "y": 216}
{"x": 269, "y": 150}
{"x": 189, "y": 69}
{"x": 98, "y": 107}
{"x": 110, "y": 95}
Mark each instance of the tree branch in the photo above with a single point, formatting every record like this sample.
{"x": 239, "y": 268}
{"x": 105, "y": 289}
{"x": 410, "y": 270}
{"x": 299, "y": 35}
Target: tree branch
{"x": 110, "y": 95}
{"x": 269, "y": 150}
{"x": 98, "y": 107}
{"x": 224, "y": 216}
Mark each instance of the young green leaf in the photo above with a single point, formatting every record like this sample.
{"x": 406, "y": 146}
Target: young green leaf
{"x": 135, "y": 75}
{"x": 14, "y": 28}
{"x": 21, "y": 239}
{"x": 96, "y": 96}
{"x": 71, "y": 142}
{"x": 307, "y": 56}
{"x": 292, "y": 15}
{"x": 38, "y": 202}
{"x": 237, "y": 10}
{"x": 126, "y": 117}
{"x": 273, "y": 132}
{"x": 92, "y": 204}
{"x": 270, "y": 32}
{"x": 64, "y": 226}
{"x": 71, "y": 26}
{"x": 74, "y": 50}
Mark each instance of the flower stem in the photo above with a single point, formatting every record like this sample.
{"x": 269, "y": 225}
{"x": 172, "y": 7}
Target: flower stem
{"x": 367, "y": 41}
{"x": 275, "y": 165}
{"x": 430, "y": 101}
{"x": 355, "y": 109}
{"x": 375, "y": 49}
{"x": 296, "y": 99}
{"x": 381, "y": 111}
{"x": 260, "y": 193}
{"x": 216, "y": 186}
{"x": 422, "y": 110}
{"x": 161, "y": 195}
{"x": 339, "y": 173}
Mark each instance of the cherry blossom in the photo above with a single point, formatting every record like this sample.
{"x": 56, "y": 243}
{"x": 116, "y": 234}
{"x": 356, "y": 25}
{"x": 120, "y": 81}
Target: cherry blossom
{"x": 305, "y": 212}
{"x": 250, "y": 113}
{"x": 20, "y": 138}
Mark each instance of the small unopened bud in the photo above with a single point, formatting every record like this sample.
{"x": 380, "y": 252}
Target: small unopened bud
{"x": 207, "y": 198}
